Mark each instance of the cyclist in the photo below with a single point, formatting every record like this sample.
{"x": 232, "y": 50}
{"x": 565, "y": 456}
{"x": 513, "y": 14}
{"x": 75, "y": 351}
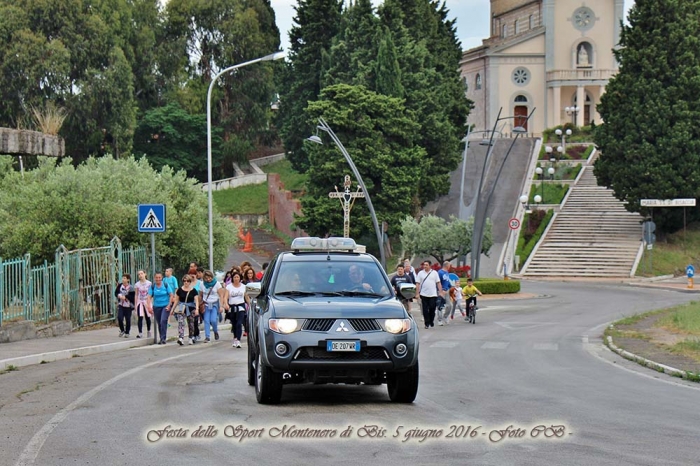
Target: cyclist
{"x": 470, "y": 291}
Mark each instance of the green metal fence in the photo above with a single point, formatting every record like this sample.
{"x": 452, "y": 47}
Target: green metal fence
{"x": 79, "y": 286}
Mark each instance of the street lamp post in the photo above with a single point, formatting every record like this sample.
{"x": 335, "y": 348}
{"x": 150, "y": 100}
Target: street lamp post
{"x": 273, "y": 56}
{"x": 563, "y": 136}
{"x": 464, "y": 167}
{"x": 551, "y": 171}
{"x": 523, "y": 200}
{"x": 537, "y": 200}
{"x": 479, "y": 216}
{"x": 323, "y": 126}
{"x": 540, "y": 175}
{"x": 573, "y": 110}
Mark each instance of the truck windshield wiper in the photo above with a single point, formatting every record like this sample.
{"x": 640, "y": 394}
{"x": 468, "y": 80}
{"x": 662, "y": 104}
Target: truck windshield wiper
{"x": 361, "y": 293}
{"x": 295, "y": 293}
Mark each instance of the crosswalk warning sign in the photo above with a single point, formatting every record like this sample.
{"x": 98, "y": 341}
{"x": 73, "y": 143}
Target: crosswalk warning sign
{"x": 151, "y": 218}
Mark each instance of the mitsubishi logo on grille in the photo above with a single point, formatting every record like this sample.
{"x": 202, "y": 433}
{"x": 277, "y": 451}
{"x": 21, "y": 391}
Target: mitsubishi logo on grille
{"x": 342, "y": 327}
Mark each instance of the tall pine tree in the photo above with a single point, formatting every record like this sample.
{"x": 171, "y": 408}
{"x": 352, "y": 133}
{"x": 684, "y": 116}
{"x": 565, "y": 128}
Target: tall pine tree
{"x": 429, "y": 55}
{"x": 317, "y": 22}
{"x": 650, "y": 138}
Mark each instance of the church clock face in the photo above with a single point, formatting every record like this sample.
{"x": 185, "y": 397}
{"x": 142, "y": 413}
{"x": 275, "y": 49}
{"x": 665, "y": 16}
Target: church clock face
{"x": 583, "y": 18}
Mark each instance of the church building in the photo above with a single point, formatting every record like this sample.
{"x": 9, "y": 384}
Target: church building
{"x": 551, "y": 55}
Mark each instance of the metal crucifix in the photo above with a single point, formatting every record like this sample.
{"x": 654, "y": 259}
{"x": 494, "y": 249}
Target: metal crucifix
{"x": 347, "y": 200}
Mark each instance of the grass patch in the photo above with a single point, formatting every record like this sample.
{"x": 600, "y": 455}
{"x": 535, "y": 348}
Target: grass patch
{"x": 689, "y": 347}
{"x": 682, "y": 319}
{"x": 561, "y": 172}
{"x": 29, "y": 390}
{"x": 292, "y": 179}
{"x": 250, "y": 199}
{"x": 672, "y": 253}
{"x": 9, "y": 368}
{"x": 552, "y": 193}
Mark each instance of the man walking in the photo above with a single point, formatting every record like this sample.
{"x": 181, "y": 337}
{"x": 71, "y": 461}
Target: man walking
{"x": 396, "y": 280}
{"x": 428, "y": 288}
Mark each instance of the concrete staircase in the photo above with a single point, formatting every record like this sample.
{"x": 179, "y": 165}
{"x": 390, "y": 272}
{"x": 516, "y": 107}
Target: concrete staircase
{"x": 592, "y": 236}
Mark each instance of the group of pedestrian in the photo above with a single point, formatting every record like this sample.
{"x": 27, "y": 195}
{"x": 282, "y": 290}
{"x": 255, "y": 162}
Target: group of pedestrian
{"x": 200, "y": 299}
{"x": 439, "y": 297}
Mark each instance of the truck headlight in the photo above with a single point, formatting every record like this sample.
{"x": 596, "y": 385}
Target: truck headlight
{"x": 284, "y": 325}
{"x": 397, "y": 325}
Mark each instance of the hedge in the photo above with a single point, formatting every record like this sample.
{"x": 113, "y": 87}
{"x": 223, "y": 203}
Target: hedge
{"x": 524, "y": 249}
{"x": 498, "y": 286}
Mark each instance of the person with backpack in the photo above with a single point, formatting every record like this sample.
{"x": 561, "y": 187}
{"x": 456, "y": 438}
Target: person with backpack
{"x": 160, "y": 298}
{"x": 213, "y": 296}
{"x": 124, "y": 293}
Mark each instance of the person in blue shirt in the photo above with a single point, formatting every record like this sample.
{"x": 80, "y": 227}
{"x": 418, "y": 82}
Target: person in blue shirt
{"x": 170, "y": 279}
{"x": 160, "y": 297}
{"x": 443, "y": 303}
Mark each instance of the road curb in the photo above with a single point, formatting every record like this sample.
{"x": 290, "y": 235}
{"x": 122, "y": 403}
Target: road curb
{"x": 661, "y": 286}
{"x": 52, "y": 356}
{"x": 648, "y": 362}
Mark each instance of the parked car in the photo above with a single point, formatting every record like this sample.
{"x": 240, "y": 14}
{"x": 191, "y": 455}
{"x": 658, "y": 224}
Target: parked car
{"x": 325, "y": 313}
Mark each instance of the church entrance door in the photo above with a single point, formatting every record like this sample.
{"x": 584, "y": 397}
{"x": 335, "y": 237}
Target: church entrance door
{"x": 520, "y": 112}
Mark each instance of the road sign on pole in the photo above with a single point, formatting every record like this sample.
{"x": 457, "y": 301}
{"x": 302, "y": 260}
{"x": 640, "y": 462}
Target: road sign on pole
{"x": 514, "y": 223}
{"x": 151, "y": 218}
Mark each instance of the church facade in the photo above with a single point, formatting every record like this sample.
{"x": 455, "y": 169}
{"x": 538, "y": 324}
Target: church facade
{"x": 554, "y": 56}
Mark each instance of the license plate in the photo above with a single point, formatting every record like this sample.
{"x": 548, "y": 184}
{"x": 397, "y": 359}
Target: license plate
{"x": 343, "y": 346}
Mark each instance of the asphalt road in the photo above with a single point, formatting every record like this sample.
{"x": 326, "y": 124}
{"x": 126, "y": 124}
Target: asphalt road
{"x": 526, "y": 363}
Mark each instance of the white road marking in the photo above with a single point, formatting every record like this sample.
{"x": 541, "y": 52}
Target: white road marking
{"x": 444, "y": 344}
{"x": 523, "y": 325}
{"x": 495, "y": 345}
{"x": 546, "y": 346}
{"x": 31, "y": 451}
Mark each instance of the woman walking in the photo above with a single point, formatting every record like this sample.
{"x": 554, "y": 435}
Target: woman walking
{"x": 185, "y": 304}
{"x": 236, "y": 299}
{"x": 143, "y": 309}
{"x": 125, "y": 296}
{"x": 249, "y": 276}
{"x": 159, "y": 298}
{"x": 213, "y": 295}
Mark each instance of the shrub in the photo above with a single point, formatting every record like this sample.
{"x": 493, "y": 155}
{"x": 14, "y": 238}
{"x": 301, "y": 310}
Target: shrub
{"x": 531, "y": 234}
{"x": 498, "y": 286}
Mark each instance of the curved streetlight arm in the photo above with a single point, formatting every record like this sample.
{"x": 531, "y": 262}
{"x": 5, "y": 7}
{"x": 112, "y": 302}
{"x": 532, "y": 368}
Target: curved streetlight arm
{"x": 272, "y": 56}
{"x": 380, "y": 241}
{"x": 479, "y": 228}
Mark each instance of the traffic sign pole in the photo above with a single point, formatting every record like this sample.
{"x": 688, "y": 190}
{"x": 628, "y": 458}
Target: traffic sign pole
{"x": 151, "y": 219}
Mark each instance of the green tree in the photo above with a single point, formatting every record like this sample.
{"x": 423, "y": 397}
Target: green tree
{"x": 353, "y": 56}
{"x": 171, "y": 136}
{"x": 650, "y": 139}
{"x": 220, "y": 33}
{"x": 378, "y": 133}
{"x": 316, "y": 24}
{"x": 444, "y": 240}
{"x": 428, "y": 53}
{"x": 87, "y": 205}
{"x": 388, "y": 72}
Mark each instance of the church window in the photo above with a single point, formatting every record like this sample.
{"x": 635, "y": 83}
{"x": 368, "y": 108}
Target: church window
{"x": 521, "y": 98}
{"x": 504, "y": 30}
{"x": 531, "y": 21}
{"x": 515, "y": 26}
{"x": 521, "y": 76}
{"x": 477, "y": 83}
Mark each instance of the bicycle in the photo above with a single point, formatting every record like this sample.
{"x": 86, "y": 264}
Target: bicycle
{"x": 471, "y": 310}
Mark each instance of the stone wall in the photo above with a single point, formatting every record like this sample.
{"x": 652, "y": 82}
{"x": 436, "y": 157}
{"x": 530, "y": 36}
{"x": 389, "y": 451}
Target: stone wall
{"x": 21, "y": 142}
{"x": 27, "y": 330}
{"x": 282, "y": 207}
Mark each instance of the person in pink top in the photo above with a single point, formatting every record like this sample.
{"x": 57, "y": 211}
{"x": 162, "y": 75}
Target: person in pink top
{"x": 143, "y": 309}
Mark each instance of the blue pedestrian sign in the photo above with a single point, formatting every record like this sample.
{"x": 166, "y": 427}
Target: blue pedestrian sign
{"x": 151, "y": 218}
{"x": 690, "y": 271}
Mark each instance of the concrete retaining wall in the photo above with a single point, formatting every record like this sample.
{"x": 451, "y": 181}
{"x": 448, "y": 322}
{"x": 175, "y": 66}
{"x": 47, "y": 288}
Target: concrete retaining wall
{"x": 27, "y": 330}
{"x": 22, "y": 142}
{"x": 282, "y": 207}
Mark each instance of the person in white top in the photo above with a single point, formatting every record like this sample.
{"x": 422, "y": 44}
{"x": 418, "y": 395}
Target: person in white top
{"x": 236, "y": 300}
{"x": 428, "y": 287}
{"x": 214, "y": 297}
{"x": 142, "y": 306}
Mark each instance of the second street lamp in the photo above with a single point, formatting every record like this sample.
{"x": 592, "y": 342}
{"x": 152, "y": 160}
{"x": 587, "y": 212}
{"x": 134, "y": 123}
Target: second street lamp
{"x": 323, "y": 126}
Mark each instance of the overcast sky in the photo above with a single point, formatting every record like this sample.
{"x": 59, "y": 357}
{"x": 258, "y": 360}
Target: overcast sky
{"x": 472, "y": 19}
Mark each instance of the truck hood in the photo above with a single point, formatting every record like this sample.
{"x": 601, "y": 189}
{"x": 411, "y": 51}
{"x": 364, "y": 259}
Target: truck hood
{"x": 347, "y": 307}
